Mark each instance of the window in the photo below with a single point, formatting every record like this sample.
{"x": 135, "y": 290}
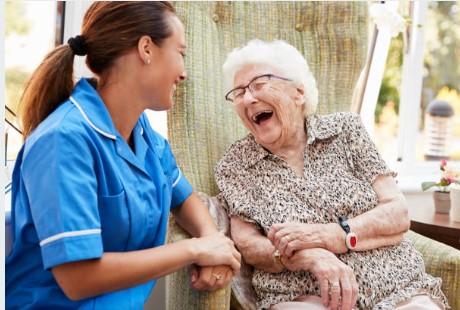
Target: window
{"x": 422, "y": 67}
{"x": 32, "y": 28}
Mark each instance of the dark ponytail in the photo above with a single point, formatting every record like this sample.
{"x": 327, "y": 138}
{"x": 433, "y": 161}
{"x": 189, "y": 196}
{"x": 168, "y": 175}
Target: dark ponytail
{"x": 49, "y": 85}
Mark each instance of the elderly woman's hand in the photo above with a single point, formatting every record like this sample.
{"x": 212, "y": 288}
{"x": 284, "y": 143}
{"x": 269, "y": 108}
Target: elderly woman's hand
{"x": 292, "y": 236}
{"x": 337, "y": 281}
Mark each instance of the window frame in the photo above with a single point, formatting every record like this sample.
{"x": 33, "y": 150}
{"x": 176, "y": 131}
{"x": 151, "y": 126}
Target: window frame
{"x": 410, "y": 172}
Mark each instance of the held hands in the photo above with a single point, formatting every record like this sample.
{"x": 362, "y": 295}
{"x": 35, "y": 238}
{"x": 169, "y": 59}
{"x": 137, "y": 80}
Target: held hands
{"x": 216, "y": 262}
{"x": 337, "y": 281}
{"x": 210, "y": 278}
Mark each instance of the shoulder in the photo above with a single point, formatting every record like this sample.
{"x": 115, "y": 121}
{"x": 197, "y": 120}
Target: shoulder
{"x": 64, "y": 121}
{"x": 238, "y": 155}
{"x": 320, "y": 127}
{"x": 340, "y": 119}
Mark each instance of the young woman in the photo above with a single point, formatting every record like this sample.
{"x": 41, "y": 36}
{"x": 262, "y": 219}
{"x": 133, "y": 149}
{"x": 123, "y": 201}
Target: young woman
{"x": 93, "y": 184}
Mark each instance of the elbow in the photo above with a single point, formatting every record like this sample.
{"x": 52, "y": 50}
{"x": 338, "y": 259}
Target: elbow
{"x": 71, "y": 292}
{"x": 75, "y": 290}
{"x": 404, "y": 213}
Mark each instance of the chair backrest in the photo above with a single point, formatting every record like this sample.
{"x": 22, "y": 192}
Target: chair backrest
{"x": 201, "y": 126}
{"x": 332, "y": 35}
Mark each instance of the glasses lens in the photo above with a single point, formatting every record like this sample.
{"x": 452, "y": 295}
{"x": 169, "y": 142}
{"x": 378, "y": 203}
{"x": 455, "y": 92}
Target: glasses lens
{"x": 235, "y": 94}
{"x": 259, "y": 83}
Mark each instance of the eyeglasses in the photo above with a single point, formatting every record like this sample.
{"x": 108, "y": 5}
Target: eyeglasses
{"x": 255, "y": 85}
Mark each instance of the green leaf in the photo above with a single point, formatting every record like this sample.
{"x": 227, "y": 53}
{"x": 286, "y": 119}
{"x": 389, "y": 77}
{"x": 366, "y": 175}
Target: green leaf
{"x": 427, "y": 185}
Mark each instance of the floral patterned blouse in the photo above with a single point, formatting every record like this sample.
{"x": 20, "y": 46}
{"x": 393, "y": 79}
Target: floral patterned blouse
{"x": 340, "y": 164}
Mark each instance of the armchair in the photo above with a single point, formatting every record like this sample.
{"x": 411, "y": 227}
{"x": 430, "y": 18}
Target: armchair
{"x": 202, "y": 125}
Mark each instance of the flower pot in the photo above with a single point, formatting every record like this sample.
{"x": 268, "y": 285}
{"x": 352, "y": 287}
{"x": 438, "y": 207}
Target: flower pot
{"x": 441, "y": 202}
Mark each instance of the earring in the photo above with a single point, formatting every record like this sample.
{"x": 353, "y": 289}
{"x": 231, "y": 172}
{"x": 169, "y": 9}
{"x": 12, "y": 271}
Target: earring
{"x": 148, "y": 61}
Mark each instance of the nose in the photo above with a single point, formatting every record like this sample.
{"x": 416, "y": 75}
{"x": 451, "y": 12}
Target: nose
{"x": 248, "y": 97}
{"x": 183, "y": 76}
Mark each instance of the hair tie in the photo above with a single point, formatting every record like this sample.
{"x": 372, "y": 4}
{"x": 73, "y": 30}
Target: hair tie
{"x": 78, "y": 45}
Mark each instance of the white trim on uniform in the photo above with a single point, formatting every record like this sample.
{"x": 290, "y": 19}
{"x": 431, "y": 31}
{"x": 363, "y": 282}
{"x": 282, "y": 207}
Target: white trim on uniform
{"x": 70, "y": 234}
{"x": 89, "y": 122}
{"x": 177, "y": 180}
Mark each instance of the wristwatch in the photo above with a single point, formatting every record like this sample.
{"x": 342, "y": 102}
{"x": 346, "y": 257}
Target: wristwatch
{"x": 351, "y": 240}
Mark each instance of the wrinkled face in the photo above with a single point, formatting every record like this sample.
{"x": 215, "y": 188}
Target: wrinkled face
{"x": 168, "y": 66}
{"x": 274, "y": 112}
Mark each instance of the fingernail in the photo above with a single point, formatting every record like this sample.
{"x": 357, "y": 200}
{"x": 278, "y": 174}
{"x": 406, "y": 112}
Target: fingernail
{"x": 193, "y": 278}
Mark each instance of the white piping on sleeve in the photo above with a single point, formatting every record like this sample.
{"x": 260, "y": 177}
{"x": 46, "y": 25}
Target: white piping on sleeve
{"x": 70, "y": 234}
{"x": 177, "y": 180}
{"x": 89, "y": 122}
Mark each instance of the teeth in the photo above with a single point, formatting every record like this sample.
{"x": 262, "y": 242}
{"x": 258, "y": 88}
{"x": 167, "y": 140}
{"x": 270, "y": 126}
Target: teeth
{"x": 254, "y": 117}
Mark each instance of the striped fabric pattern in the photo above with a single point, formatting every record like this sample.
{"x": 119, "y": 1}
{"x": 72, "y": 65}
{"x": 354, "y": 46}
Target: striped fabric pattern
{"x": 332, "y": 36}
{"x": 441, "y": 261}
{"x": 202, "y": 125}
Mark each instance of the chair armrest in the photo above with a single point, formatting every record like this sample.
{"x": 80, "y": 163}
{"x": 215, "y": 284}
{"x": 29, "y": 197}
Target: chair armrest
{"x": 441, "y": 261}
{"x": 179, "y": 293}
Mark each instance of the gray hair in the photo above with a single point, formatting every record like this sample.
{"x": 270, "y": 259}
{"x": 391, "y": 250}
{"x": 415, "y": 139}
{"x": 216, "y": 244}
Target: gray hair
{"x": 280, "y": 55}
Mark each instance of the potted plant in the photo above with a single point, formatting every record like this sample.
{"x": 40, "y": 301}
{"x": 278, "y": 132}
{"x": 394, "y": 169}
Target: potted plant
{"x": 442, "y": 196}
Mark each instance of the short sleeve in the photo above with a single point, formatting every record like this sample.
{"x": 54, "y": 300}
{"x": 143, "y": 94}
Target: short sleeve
{"x": 181, "y": 188}
{"x": 364, "y": 158}
{"x": 60, "y": 180}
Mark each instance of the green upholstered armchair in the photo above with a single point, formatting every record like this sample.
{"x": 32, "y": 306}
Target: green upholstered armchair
{"x": 332, "y": 35}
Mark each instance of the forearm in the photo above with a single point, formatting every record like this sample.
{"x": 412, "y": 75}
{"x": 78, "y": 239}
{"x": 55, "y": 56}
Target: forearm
{"x": 371, "y": 228}
{"x": 257, "y": 250}
{"x": 382, "y": 226}
{"x": 117, "y": 271}
{"x": 194, "y": 217}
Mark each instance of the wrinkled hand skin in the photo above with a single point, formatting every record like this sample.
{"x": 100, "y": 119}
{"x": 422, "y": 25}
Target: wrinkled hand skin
{"x": 327, "y": 269}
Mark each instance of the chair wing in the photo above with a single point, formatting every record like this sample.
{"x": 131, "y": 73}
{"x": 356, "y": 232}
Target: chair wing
{"x": 201, "y": 126}
{"x": 332, "y": 36}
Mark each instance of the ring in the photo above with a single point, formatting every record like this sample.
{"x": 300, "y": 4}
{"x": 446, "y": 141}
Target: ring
{"x": 217, "y": 276}
{"x": 335, "y": 284}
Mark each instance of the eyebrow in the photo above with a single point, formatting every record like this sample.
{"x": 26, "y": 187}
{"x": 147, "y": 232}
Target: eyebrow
{"x": 257, "y": 76}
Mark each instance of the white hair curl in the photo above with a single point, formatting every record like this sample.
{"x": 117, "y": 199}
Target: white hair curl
{"x": 279, "y": 55}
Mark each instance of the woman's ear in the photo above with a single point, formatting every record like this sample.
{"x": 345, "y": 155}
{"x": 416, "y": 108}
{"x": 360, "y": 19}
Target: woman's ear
{"x": 300, "y": 94}
{"x": 144, "y": 47}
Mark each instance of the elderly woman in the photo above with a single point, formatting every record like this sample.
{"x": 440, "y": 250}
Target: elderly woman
{"x": 313, "y": 206}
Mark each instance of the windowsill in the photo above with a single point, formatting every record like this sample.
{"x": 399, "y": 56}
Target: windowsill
{"x": 411, "y": 175}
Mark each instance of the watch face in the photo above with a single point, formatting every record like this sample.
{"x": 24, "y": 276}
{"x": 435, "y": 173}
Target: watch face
{"x": 353, "y": 241}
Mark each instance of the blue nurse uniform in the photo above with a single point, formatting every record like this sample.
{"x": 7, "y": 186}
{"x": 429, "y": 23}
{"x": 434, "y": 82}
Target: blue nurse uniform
{"x": 78, "y": 191}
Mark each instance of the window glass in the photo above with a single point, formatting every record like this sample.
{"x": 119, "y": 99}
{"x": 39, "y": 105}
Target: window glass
{"x": 387, "y": 108}
{"x": 438, "y": 116}
{"x": 32, "y": 29}
{"x": 439, "y": 131}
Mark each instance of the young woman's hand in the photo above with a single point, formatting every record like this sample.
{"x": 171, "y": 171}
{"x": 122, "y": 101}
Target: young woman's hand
{"x": 216, "y": 249}
{"x": 210, "y": 278}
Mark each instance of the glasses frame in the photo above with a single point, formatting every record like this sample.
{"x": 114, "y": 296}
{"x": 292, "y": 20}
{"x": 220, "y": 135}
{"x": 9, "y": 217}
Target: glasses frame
{"x": 270, "y": 76}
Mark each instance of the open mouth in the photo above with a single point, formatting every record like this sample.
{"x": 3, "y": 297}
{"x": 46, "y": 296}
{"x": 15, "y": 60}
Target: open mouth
{"x": 262, "y": 116}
